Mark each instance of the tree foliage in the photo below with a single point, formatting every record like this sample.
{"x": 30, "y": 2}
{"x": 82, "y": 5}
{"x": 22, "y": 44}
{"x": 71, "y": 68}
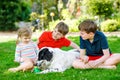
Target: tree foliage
{"x": 99, "y": 7}
{"x": 117, "y": 5}
{"x": 12, "y": 11}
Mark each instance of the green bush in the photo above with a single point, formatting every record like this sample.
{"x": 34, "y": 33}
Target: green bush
{"x": 109, "y": 25}
{"x": 12, "y": 11}
{"x": 52, "y": 24}
{"x": 117, "y": 17}
{"x": 99, "y": 7}
{"x": 72, "y": 24}
{"x": 66, "y": 14}
{"x": 84, "y": 17}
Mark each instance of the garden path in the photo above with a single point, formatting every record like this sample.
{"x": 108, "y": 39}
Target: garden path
{"x": 13, "y": 35}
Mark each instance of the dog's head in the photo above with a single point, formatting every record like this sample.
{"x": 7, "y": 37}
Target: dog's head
{"x": 44, "y": 58}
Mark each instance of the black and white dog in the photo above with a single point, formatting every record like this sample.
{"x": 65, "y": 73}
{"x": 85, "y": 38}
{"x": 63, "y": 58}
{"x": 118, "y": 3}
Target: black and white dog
{"x": 55, "y": 59}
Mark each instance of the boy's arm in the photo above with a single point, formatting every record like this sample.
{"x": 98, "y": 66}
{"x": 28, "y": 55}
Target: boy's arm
{"x": 106, "y": 55}
{"x": 95, "y": 63}
{"x": 75, "y": 46}
{"x": 105, "y": 49}
{"x": 83, "y": 57}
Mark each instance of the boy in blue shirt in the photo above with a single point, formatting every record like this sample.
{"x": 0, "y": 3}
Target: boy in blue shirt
{"x": 95, "y": 52}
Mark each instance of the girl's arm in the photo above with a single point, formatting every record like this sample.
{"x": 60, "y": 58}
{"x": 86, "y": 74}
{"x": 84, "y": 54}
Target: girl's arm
{"x": 17, "y": 55}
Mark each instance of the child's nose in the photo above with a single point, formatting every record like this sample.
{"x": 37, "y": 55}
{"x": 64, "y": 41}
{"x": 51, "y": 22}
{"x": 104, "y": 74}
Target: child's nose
{"x": 28, "y": 39}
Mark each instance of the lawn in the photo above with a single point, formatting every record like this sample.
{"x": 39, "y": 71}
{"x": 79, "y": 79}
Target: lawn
{"x": 7, "y": 49}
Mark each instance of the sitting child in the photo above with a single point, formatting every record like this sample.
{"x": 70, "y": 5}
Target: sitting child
{"x": 26, "y": 50}
{"x": 95, "y": 52}
{"x": 56, "y": 38}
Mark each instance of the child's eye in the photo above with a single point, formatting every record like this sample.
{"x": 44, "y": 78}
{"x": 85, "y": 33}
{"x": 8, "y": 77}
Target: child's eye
{"x": 25, "y": 38}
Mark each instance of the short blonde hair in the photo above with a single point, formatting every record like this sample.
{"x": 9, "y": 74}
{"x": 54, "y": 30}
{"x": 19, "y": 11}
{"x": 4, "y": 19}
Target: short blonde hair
{"x": 23, "y": 31}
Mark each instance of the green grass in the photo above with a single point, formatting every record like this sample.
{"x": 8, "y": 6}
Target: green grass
{"x": 7, "y": 49}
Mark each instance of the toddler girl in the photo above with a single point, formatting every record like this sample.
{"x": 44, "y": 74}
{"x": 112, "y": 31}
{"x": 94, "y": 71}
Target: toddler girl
{"x": 26, "y": 50}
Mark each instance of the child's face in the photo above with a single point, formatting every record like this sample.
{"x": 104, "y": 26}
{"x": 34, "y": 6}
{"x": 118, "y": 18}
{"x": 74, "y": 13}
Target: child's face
{"x": 57, "y": 35}
{"x": 25, "y": 39}
{"x": 85, "y": 35}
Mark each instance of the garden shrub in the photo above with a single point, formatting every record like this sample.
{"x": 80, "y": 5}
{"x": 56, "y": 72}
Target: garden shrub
{"x": 12, "y": 11}
{"x": 98, "y": 7}
{"x": 66, "y": 14}
{"x": 52, "y": 24}
{"x": 117, "y": 17}
{"x": 109, "y": 25}
{"x": 84, "y": 17}
{"x": 72, "y": 24}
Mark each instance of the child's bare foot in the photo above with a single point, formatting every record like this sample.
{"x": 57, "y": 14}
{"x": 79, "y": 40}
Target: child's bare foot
{"x": 13, "y": 69}
{"x": 108, "y": 67}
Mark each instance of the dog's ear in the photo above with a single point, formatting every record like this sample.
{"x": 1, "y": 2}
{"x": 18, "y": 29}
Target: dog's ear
{"x": 45, "y": 54}
{"x": 48, "y": 55}
{"x": 41, "y": 54}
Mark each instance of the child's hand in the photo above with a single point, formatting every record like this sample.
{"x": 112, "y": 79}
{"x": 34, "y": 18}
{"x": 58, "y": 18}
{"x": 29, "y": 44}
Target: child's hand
{"x": 84, "y": 59}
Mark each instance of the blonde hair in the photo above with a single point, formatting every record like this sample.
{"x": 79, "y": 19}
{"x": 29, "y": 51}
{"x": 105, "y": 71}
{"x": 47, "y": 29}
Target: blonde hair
{"x": 23, "y": 31}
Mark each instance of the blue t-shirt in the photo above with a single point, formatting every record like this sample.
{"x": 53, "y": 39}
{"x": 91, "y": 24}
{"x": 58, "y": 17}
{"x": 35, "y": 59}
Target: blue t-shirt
{"x": 95, "y": 48}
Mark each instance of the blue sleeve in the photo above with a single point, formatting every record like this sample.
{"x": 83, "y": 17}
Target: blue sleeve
{"x": 82, "y": 45}
{"x": 104, "y": 43}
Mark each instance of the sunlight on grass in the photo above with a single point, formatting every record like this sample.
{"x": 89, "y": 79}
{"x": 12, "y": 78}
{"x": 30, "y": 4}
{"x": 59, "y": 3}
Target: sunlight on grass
{"x": 113, "y": 38}
{"x": 6, "y": 39}
{"x": 6, "y": 72}
{"x": 7, "y": 49}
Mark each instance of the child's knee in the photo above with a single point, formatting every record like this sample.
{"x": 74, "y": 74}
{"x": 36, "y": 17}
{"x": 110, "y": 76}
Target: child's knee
{"x": 75, "y": 64}
{"x": 30, "y": 64}
{"x": 79, "y": 64}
